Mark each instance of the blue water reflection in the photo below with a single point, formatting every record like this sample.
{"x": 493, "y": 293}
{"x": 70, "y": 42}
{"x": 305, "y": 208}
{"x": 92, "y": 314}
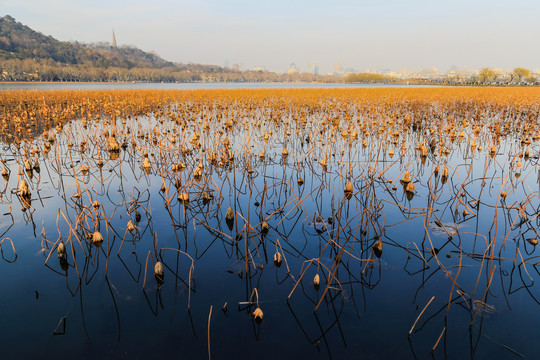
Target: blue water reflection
{"x": 108, "y": 304}
{"x": 180, "y": 86}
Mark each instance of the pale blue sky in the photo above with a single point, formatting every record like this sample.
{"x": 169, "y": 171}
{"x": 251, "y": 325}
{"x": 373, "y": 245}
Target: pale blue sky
{"x": 359, "y": 34}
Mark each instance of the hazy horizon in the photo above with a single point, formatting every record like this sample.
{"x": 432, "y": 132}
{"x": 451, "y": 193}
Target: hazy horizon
{"x": 357, "y": 34}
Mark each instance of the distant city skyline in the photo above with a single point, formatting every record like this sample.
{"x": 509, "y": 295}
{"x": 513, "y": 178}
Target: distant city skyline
{"x": 359, "y": 35}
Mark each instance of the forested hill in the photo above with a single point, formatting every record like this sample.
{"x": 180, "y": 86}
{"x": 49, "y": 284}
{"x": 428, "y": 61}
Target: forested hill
{"x": 18, "y": 41}
{"x": 28, "y": 55}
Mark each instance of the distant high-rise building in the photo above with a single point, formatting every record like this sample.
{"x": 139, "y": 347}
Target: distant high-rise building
{"x": 227, "y": 64}
{"x": 312, "y": 68}
{"x": 113, "y": 39}
{"x": 404, "y": 72}
{"x": 292, "y": 69}
{"x": 338, "y": 70}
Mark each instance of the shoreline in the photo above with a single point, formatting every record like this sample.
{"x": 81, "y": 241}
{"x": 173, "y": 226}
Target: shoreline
{"x": 399, "y": 83}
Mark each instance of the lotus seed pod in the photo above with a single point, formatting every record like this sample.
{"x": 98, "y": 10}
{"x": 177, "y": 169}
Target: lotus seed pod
{"x": 377, "y": 248}
{"x": 349, "y": 187}
{"x": 131, "y": 227}
{"x": 324, "y": 160}
{"x": 206, "y": 195}
{"x": 183, "y": 197}
{"x": 406, "y": 178}
{"x": 97, "y": 239}
{"x": 316, "y": 281}
{"x": 24, "y": 192}
{"x": 258, "y": 315}
{"x": 444, "y": 173}
{"x": 113, "y": 145}
{"x": 229, "y": 216}
{"x": 410, "y": 187}
{"x": 265, "y": 227}
{"x": 158, "y": 271}
{"x": 146, "y": 163}
{"x": 277, "y": 259}
{"x": 61, "y": 250}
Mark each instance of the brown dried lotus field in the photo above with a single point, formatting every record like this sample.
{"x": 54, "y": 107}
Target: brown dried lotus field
{"x": 384, "y": 222}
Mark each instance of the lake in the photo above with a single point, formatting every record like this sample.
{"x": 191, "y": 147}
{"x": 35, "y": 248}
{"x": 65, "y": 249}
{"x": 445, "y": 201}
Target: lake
{"x": 416, "y": 209}
{"x": 179, "y": 86}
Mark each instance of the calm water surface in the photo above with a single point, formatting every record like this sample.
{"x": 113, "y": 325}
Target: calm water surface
{"x": 104, "y": 309}
{"x": 181, "y": 86}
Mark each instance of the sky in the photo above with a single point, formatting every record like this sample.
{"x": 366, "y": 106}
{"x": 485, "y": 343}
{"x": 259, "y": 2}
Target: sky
{"x": 361, "y": 35}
